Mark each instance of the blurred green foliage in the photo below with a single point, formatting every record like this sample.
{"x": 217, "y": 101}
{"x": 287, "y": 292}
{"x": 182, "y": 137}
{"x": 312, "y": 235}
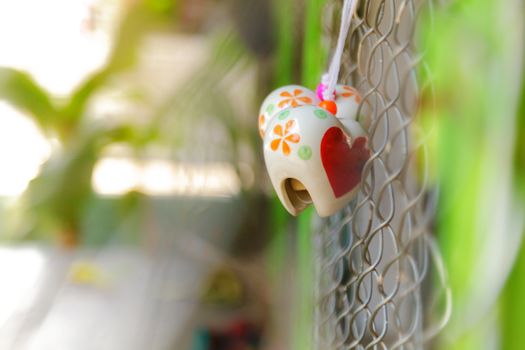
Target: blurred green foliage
{"x": 313, "y": 65}
{"x": 56, "y": 200}
{"x": 294, "y": 68}
{"x": 512, "y": 301}
{"x": 475, "y": 68}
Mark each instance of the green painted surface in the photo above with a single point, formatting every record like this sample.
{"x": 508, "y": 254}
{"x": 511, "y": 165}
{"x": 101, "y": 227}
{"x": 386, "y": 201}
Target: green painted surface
{"x": 283, "y": 115}
{"x": 305, "y": 152}
{"x": 319, "y": 113}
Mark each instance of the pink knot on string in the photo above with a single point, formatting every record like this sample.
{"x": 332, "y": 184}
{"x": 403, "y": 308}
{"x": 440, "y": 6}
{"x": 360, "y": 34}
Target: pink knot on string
{"x": 320, "y": 91}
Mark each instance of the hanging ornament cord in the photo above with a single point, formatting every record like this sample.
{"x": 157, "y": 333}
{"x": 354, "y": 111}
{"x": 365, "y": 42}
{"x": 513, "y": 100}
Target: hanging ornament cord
{"x": 329, "y": 79}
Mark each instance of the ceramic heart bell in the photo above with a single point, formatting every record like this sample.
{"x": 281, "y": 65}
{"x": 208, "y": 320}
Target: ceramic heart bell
{"x": 311, "y": 155}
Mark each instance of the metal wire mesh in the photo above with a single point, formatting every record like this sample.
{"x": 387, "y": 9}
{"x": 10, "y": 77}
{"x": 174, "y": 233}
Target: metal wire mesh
{"x": 382, "y": 284}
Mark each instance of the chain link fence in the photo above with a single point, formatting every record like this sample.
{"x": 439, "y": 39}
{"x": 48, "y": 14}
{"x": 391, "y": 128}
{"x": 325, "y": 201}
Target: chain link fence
{"x": 381, "y": 280}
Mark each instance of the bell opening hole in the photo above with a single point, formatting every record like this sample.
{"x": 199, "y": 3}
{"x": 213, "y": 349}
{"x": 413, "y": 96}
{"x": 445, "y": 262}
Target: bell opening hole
{"x": 297, "y": 194}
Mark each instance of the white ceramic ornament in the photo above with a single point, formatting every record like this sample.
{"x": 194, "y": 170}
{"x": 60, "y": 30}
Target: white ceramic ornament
{"x": 314, "y": 147}
{"x": 282, "y": 98}
{"x": 348, "y": 100}
{"x": 310, "y": 155}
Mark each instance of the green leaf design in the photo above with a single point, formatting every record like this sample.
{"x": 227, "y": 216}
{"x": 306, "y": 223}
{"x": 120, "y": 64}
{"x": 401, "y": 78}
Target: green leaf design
{"x": 283, "y": 115}
{"x": 270, "y": 108}
{"x": 321, "y": 114}
{"x": 305, "y": 152}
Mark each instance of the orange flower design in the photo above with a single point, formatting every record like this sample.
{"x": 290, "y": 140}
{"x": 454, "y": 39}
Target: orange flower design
{"x": 349, "y": 92}
{"x": 284, "y": 137}
{"x": 294, "y": 99}
{"x": 262, "y": 120}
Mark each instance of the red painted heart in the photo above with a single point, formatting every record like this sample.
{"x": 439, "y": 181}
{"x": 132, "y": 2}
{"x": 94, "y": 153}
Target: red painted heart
{"x": 343, "y": 164}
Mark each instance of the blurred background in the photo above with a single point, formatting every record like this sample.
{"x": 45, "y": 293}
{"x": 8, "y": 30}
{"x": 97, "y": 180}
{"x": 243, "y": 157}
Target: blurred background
{"x": 135, "y": 212}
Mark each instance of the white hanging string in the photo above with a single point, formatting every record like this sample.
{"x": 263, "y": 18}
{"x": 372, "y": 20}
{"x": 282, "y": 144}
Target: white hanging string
{"x": 329, "y": 80}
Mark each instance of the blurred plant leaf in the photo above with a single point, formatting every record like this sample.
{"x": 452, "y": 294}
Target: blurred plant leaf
{"x": 123, "y": 55}
{"x": 20, "y": 90}
{"x": 162, "y": 7}
{"x": 57, "y": 197}
{"x": 478, "y": 226}
{"x": 512, "y": 302}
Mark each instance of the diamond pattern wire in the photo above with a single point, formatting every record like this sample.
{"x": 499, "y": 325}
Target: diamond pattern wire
{"x": 381, "y": 281}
